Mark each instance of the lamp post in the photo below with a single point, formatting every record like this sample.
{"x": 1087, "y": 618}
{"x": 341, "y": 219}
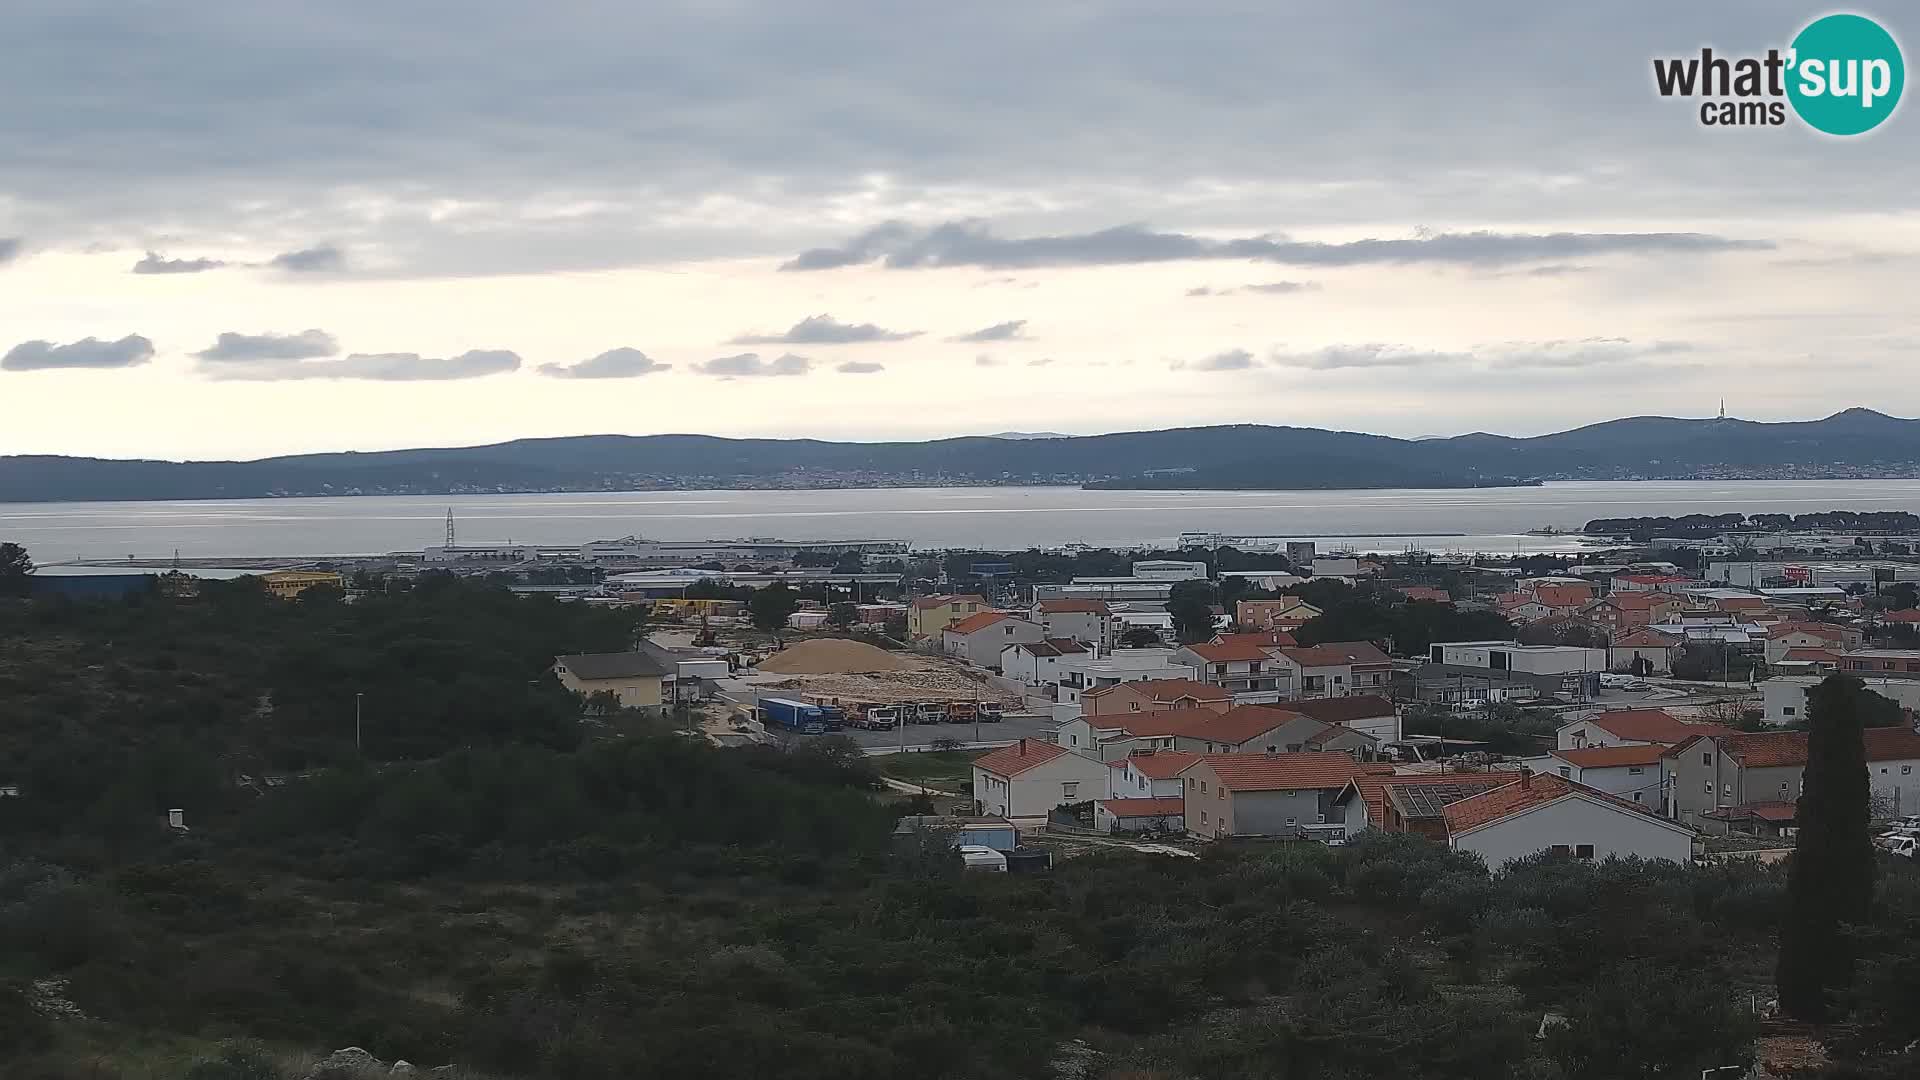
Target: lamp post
{"x": 357, "y": 695}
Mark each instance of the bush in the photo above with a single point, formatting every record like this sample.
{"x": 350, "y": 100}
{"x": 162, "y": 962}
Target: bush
{"x": 22, "y": 1029}
{"x": 235, "y": 1061}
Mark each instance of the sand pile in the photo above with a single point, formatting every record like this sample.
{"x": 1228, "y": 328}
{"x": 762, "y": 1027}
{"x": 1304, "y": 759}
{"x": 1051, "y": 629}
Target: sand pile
{"x": 832, "y": 656}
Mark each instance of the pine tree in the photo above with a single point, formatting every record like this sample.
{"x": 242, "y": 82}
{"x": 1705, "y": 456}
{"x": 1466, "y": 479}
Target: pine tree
{"x": 1830, "y": 882}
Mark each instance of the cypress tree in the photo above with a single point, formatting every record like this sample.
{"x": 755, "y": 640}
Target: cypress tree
{"x": 1830, "y": 882}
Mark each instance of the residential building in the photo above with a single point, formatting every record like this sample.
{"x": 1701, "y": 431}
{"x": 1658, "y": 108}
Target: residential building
{"x": 1451, "y": 684}
{"x": 638, "y": 679}
{"x": 1241, "y": 668}
{"x": 1336, "y": 566}
{"x": 1036, "y": 663}
{"x": 1649, "y": 582}
{"x": 1139, "y": 815}
{"x": 1263, "y": 794}
{"x": 1522, "y": 608}
{"x": 1168, "y": 570}
{"x": 1784, "y": 697}
{"x": 1116, "y": 736}
{"x": 1374, "y": 715}
{"x": 1884, "y": 663}
{"x": 978, "y": 639}
{"x": 1148, "y": 774}
{"x": 1632, "y": 772}
{"x": 1265, "y": 639}
{"x": 1339, "y": 668}
{"x": 1153, "y": 695}
{"x": 1030, "y": 778}
{"x": 1632, "y": 727}
{"x": 1081, "y": 677}
{"x": 1551, "y": 813}
{"x": 1578, "y": 669}
{"x": 287, "y": 584}
{"x": 1423, "y": 592}
{"x": 1090, "y": 622}
{"x": 1563, "y": 597}
{"x": 1903, "y": 617}
{"x": 1807, "y": 662}
{"x": 927, "y": 616}
{"x": 1409, "y": 804}
{"x": 1735, "y": 601}
{"x": 1784, "y": 637}
{"x": 1625, "y": 612}
{"x": 1286, "y": 613}
{"x": 1643, "y": 652}
{"x": 1710, "y": 774}
{"x": 1244, "y": 729}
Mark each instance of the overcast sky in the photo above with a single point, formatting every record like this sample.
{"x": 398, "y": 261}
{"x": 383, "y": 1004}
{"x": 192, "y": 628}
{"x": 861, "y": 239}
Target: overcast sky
{"x": 235, "y": 229}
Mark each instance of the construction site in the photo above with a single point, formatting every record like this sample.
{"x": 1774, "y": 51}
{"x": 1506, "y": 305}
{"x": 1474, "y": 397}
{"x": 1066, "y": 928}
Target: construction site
{"x": 837, "y": 671}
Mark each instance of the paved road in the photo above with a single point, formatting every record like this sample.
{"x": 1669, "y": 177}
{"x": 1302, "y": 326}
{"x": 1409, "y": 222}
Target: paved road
{"x": 923, "y": 735}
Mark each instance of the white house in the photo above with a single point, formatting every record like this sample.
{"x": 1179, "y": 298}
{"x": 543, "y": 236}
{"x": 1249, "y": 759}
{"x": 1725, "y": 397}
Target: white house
{"x": 1630, "y": 772}
{"x": 1090, "y": 622}
{"x": 1029, "y": 778}
{"x": 1549, "y": 813}
{"x": 1643, "y": 652}
{"x": 1037, "y": 663}
{"x": 1246, "y": 670}
{"x": 978, "y": 639}
{"x": 1631, "y": 727}
{"x": 1339, "y": 668}
{"x": 1080, "y": 675}
{"x": 1168, "y": 570}
{"x": 1148, "y": 775}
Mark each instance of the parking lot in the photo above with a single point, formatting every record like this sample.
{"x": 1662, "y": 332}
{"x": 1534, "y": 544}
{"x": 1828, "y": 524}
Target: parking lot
{"x": 919, "y": 736}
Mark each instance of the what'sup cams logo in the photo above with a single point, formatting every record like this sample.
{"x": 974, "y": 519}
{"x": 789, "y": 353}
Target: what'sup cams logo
{"x": 1842, "y": 75}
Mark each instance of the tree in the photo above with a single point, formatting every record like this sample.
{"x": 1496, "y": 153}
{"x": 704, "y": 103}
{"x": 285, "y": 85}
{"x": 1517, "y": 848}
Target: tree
{"x": 1191, "y": 605}
{"x": 1830, "y": 882}
{"x": 771, "y": 607}
{"x": 15, "y": 568}
{"x": 1139, "y": 637}
{"x": 842, "y": 615}
{"x": 897, "y": 627}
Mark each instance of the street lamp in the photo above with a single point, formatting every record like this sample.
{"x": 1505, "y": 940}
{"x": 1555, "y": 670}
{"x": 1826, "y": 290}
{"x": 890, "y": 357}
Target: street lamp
{"x": 357, "y": 695}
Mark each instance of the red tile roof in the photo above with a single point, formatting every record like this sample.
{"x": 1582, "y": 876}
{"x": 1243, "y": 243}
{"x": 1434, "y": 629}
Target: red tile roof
{"x": 1160, "y": 764}
{"x": 1653, "y": 579}
{"x": 1237, "y": 725}
{"x": 1168, "y": 690}
{"x": 1171, "y": 805}
{"x": 1333, "y": 731}
{"x": 1644, "y": 638}
{"x": 1818, "y": 656}
{"x": 927, "y": 602}
{"x": 1373, "y": 789}
{"x": 1424, "y": 592}
{"x": 1640, "y": 601}
{"x": 1154, "y": 723}
{"x": 1821, "y": 630}
{"x": 1229, "y": 653}
{"x": 1907, "y": 615}
{"x": 1892, "y": 744}
{"x": 1020, "y": 757}
{"x": 1562, "y": 596}
{"x": 1337, "y": 710}
{"x": 1067, "y": 607}
{"x": 1525, "y": 794}
{"x": 1652, "y": 726}
{"x": 981, "y": 621}
{"x": 1051, "y": 647}
{"x": 1337, "y": 653}
{"x": 1271, "y": 638}
{"x": 1281, "y": 772}
{"x": 1612, "y": 757}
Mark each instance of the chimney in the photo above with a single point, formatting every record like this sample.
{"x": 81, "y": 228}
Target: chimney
{"x": 1023, "y": 747}
{"x": 1526, "y": 778}
{"x": 176, "y": 819}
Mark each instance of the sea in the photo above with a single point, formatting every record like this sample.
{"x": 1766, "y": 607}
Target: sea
{"x": 1483, "y": 520}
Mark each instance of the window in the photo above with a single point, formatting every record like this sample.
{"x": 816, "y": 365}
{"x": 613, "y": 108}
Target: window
{"x": 1203, "y": 787}
{"x": 1073, "y": 740}
{"x": 1636, "y": 796}
{"x": 1566, "y": 772}
{"x": 1709, "y": 787}
{"x": 1726, "y": 791}
{"x": 1203, "y": 817}
{"x": 1190, "y": 782}
{"x": 1634, "y": 770}
{"x": 1134, "y": 706}
{"x": 1220, "y": 793}
{"x": 1906, "y": 770}
{"x": 1707, "y": 759}
{"x": 1069, "y": 790}
{"x": 1786, "y": 710}
{"x": 1783, "y": 787}
{"x": 1561, "y": 849}
{"x": 1583, "y": 851}
{"x": 1289, "y": 823}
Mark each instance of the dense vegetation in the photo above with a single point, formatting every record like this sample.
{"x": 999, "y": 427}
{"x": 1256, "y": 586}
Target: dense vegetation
{"x": 1897, "y": 522}
{"x": 499, "y": 884}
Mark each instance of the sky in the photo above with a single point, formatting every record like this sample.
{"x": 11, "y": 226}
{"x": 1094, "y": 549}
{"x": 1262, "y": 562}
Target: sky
{"x": 231, "y": 230}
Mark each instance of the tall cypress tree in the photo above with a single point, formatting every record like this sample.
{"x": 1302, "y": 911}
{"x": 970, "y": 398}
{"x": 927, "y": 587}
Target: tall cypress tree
{"x": 1830, "y": 883}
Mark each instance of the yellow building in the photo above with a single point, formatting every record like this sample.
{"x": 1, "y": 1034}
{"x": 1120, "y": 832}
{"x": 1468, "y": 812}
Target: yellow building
{"x": 287, "y": 584}
{"x": 927, "y": 616}
{"x": 637, "y": 679}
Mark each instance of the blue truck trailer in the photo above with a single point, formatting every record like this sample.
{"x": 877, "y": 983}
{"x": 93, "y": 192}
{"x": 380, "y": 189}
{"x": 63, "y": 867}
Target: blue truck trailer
{"x": 802, "y": 717}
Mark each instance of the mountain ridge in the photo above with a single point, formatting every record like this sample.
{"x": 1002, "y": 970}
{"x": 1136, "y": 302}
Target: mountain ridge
{"x": 1850, "y": 443}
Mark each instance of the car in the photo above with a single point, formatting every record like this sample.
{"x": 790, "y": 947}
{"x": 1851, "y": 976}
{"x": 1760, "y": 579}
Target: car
{"x": 1903, "y": 848}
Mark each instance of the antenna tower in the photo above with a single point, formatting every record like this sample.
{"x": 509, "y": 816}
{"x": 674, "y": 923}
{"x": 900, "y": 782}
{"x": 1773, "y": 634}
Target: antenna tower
{"x": 449, "y": 526}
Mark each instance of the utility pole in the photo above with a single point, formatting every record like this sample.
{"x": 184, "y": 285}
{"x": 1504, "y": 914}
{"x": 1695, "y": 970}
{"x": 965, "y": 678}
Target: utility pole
{"x": 356, "y": 720}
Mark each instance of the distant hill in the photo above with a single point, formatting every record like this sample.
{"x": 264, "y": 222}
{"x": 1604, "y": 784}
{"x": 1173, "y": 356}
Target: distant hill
{"x": 1028, "y": 435}
{"x": 1857, "y": 442}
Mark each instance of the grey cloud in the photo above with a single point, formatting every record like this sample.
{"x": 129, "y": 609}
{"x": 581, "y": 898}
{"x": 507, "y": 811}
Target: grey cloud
{"x": 1011, "y": 330}
{"x": 826, "y": 330}
{"x": 305, "y": 345}
{"x": 1574, "y": 354}
{"x": 973, "y": 243}
{"x": 325, "y": 259}
{"x": 9, "y": 249}
{"x": 1370, "y": 355}
{"x": 1272, "y": 288}
{"x": 376, "y": 367}
{"x": 155, "y": 263}
{"x": 1042, "y": 362}
{"x": 751, "y": 365}
{"x": 1230, "y": 360}
{"x": 621, "y": 363}
{"x": 860, "y": 367}
{"x": 130, "y": 351}
{"x": 1557, "y": 270}
{"x": 986, "y": 360}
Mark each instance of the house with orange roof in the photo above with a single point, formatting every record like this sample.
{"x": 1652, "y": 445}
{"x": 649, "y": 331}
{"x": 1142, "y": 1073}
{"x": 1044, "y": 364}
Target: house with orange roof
{"x": 1339, "y": 668}
{"x": 1153, "y": 695}
{"x": 1263, "y": 794}
{"x": 1148, "y": 774}
{"x": 1037, "y": 663}
{"x": 1563, "y": 598}
{"x": 1243, "y": 729}
{"x": 1650, "y": 582}
{"x": 1030, "y": 778}
{"x": 1410, "y": 804}
{"x": 1631, "y": 727}
{"x": 1632, "y": 772}
{"x": 1627, "y": 611}
{"x": 1710, "y": 774}
{"x": 1241, "y": 668}
{"x": 1090, "y": 622}
{"x": 978, "y": 639}
{"x": 1285, "y": 613}
{"x": 1374, "y": 715}
{"x": 1808, "y": 661}
{"x": 1425, "y": 592}
{"x": 928, "y": 615}
{"x": 1903, "y": 617}
{"x": 1643, "y": 651}
{"x": 1163, "y": 815}
{"x": 1549, "y": 813}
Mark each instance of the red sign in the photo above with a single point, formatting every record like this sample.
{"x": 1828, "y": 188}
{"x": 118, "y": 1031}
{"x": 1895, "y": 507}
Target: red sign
{"x": 1798, "y": 573}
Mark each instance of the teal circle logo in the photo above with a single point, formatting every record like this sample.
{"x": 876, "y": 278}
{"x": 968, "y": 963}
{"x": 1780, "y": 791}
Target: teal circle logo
{"x": 1845, "y": 74}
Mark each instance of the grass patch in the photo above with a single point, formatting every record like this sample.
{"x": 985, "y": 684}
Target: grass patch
{"x": 949, "y": 768}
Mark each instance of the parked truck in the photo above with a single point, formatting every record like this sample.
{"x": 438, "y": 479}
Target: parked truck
{"x": 930, "y": 712}
{"x": 801, "y": 717}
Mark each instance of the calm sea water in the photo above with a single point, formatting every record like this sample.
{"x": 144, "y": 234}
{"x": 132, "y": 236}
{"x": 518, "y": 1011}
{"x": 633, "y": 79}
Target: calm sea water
{"x": 1487, "y": 519}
